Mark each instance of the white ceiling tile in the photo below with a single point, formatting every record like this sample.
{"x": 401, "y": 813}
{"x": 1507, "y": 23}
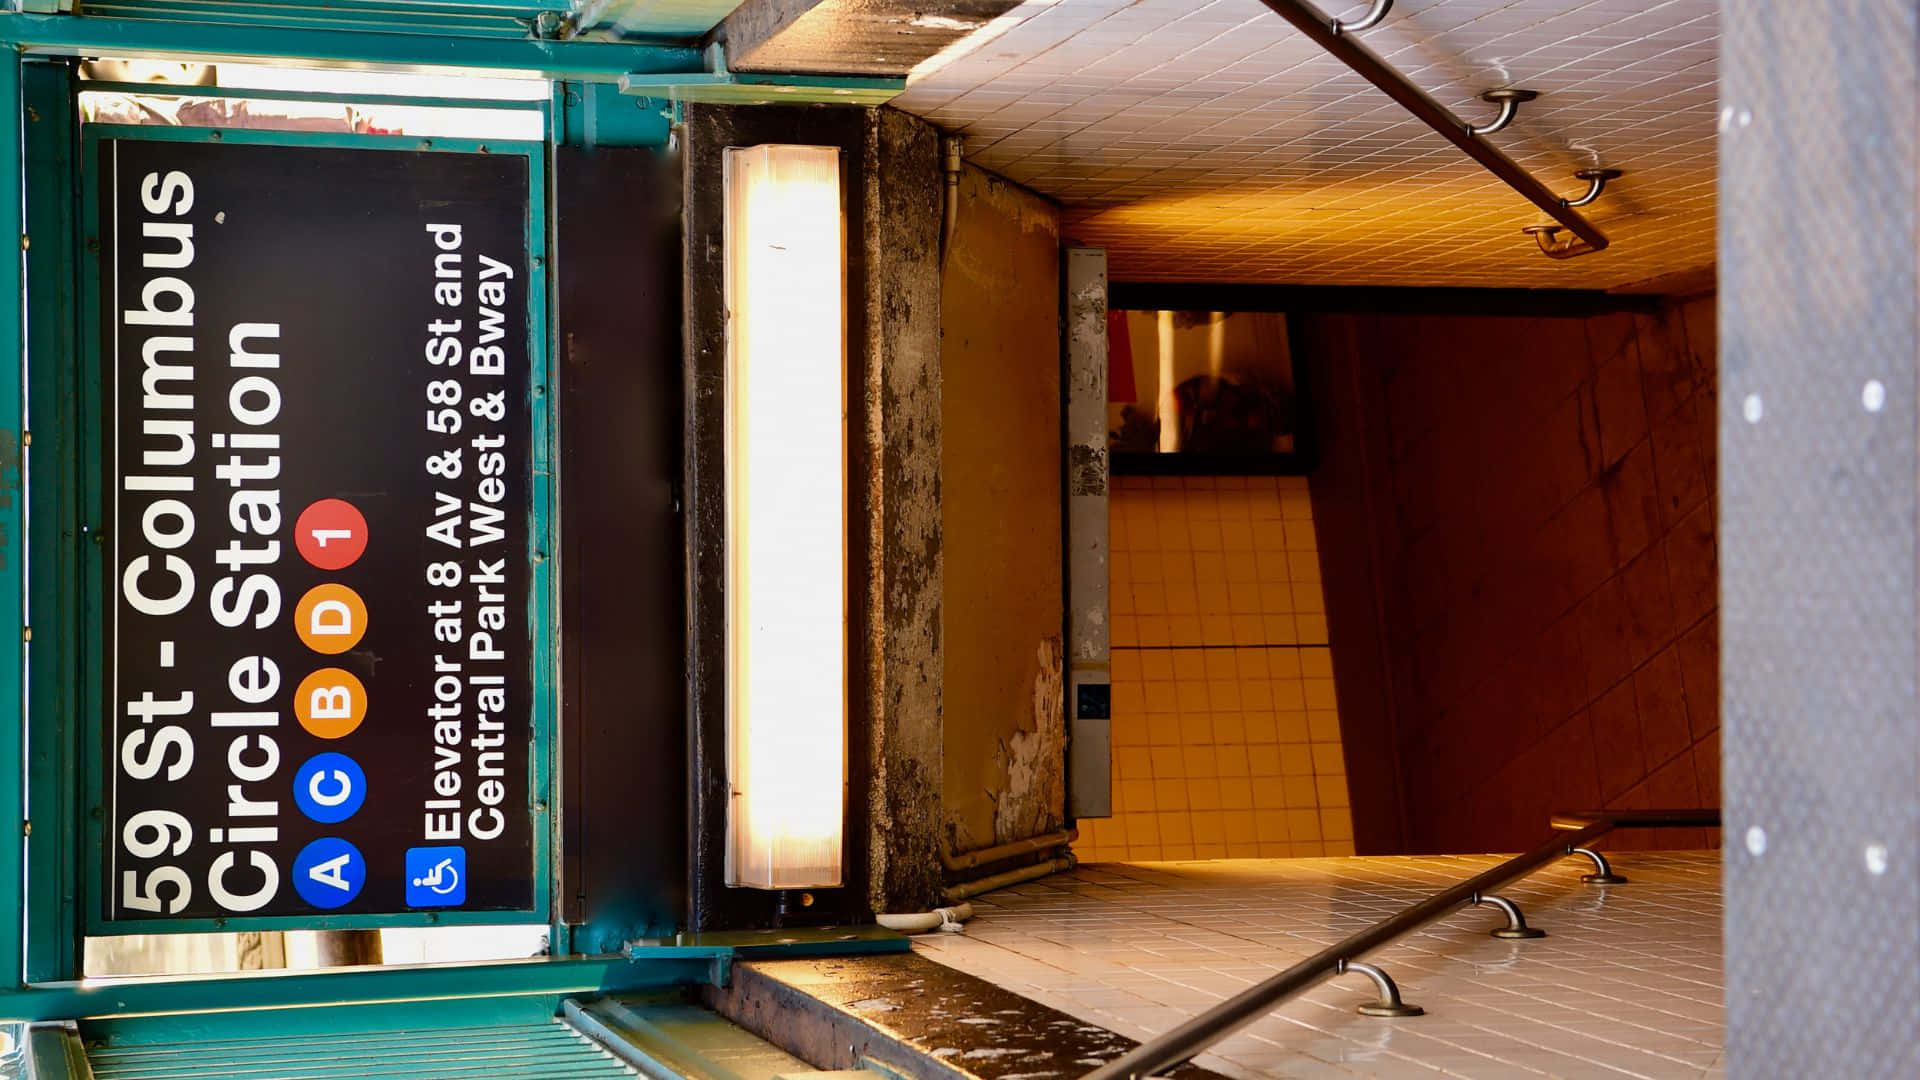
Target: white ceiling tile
{"x": 1208, "y": 141}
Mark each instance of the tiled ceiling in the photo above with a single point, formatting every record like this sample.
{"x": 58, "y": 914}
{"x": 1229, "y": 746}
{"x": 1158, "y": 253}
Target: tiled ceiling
{"x": 1208, "y": 140}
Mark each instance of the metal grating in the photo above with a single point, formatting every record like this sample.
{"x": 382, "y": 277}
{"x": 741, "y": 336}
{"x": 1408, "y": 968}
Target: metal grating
{"x": 541, "y": 1051}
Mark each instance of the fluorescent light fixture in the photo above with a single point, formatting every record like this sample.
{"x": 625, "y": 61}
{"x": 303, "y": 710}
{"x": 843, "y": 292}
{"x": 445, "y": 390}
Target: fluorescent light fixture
{"x": 786, "y": 517}
{"x": 401, "y": 83}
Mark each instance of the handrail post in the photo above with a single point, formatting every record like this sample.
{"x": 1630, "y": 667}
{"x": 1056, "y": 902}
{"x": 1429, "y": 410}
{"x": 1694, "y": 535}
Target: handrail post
{"x": 1602, "y": 870}
{"x": 1390, "y": 1003}
{"x": 1516, "y": 928}
{"x": 1194, "y": 1036}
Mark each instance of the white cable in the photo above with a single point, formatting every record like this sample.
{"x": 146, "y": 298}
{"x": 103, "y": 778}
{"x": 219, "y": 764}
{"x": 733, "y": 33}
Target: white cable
{"x": 947, "y": 919}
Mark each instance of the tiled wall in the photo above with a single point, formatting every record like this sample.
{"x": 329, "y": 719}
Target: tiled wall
{"x": 1226, "y": 733}
{"x": 1543, "y": 517}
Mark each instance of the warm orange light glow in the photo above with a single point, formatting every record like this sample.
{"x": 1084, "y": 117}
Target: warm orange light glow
{"x": 1216, "y": 344}
{"x": 1168, "y": 407}
{"x": 786, "y": 517}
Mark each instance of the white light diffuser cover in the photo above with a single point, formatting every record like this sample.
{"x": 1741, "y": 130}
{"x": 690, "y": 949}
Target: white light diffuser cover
{"x": 786, "y": 517}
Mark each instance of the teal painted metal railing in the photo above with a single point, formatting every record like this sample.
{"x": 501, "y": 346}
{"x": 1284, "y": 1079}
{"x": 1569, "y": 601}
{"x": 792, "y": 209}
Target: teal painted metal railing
{"x": 13, "y": 505}
{"x": 70, "y": 35}
{"x": 57, "y": 502}
{"x": 468, "y": 18}
{"x": 548, "y": 1050}
{"x": 667, "y": 68}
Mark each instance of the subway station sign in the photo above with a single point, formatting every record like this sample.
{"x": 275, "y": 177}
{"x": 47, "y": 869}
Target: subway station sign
{"x": 319, "y": 661}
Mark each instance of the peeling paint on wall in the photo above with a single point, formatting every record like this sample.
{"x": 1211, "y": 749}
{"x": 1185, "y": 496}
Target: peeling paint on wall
{"x": 1033, "y": 799}
{"x": 1004, "y": 727}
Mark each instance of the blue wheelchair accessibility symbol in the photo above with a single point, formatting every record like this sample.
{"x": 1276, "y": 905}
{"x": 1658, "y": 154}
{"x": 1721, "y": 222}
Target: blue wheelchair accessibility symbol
{"x": 436, "y": 876}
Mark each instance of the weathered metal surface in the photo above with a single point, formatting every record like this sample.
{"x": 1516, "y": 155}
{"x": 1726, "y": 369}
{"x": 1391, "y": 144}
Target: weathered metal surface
{"x": 1089, "y": 747}
{"x": 1820, "y": 106}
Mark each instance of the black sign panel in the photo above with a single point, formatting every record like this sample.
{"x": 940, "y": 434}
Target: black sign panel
{"x": 321, "y": 658}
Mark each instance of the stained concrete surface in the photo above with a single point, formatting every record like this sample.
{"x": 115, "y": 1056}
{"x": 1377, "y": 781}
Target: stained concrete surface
{"x": 863, "y": 37}
{"x": 920, "y": 1018}
{"x": 900, "y": 399}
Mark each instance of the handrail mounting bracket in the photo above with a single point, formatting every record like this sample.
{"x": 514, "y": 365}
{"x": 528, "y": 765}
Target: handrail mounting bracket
{"x": 1602, "y": 870}
{"x": 1596, "y": 183}
{"x": 1553, "y": 245}
{"x": 1509, "y": 98}
{"x": 1516, "y": 928}
{"x": 1374, "y": 17}
{"x": 1390, "y": 1003}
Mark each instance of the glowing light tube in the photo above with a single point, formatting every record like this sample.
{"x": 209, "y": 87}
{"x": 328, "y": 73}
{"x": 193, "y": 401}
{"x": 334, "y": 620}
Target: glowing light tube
{"x": 786, "y": 516}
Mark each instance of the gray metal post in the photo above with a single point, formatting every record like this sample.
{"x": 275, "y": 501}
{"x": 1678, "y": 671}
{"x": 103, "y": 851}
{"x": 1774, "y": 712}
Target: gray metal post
{"x": 1819, "y": 333}
{"x": 1089, "y": 694}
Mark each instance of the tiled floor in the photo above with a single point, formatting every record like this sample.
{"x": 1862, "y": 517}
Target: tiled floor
{"x": 1627, "y": 982}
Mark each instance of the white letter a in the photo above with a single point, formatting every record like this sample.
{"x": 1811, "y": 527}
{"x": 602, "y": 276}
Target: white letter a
{"x": 328, "y": 873}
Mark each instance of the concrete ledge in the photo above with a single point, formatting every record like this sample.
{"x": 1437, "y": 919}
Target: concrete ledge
{"x": 914, "y": 1017}
{"x": 849, "y": 37}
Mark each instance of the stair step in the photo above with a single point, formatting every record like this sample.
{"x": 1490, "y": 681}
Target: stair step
{"x": 670, "y": 1038}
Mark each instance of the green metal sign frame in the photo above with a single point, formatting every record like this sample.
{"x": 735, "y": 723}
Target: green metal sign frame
{"x": 659, "y": 68}
{"x": 50, "y": 881}
{"x": 544, "y": 630}
{"x": 592, "y": 61}
{"x": 13, "y": 536}
{"x": 50, "y": 444}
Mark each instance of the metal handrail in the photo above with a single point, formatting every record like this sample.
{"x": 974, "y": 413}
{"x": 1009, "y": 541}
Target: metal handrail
{"x": 1579, "y": 829}
{"x": 1347, "y": 49}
